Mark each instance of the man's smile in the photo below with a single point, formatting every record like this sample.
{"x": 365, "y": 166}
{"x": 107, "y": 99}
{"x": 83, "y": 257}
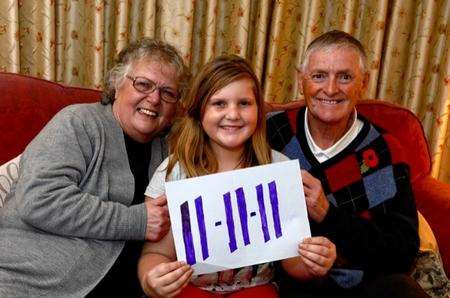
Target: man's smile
{"x": 329, "y": 101}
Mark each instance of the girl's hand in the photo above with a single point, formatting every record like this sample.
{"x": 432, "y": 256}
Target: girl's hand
{"x": 318, "y": 254}
{"x": 167, "y": 279}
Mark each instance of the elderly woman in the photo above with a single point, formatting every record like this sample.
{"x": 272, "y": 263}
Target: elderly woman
{"x": 75, "y": 221}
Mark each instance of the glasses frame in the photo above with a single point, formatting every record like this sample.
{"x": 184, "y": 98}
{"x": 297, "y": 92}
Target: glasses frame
{"x": 155, "y": 87}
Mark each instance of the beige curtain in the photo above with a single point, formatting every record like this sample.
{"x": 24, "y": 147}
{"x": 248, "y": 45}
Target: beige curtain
{"x": 408, "y": 44}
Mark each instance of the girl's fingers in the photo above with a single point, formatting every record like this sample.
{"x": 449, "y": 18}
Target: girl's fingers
{"x": 318, "y": 250}
{"x": 314, "y": 268}
{"x": 167, "y": 278}
{"x": 318, "y": 259}
{"x": 176, "y": 286}
{"x": 318, "y": 241}
{"x": 165, "y": 268}
{"x": 173, "y": 276}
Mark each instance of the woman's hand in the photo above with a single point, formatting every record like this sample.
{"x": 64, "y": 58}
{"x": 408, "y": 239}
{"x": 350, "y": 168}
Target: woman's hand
{"x": 318, "y": 255}
{"x": 167, "y": 279}
{"x": 158, "y": 223}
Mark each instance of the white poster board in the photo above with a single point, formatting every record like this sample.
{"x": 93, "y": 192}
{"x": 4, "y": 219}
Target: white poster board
{"x": 238, "y": 218}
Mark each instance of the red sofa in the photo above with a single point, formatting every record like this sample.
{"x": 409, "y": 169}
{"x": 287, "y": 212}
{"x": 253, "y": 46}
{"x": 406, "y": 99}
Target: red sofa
{"x": 27, "y": 103}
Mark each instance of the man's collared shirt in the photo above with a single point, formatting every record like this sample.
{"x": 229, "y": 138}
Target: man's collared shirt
{"x": 324, "y": 154}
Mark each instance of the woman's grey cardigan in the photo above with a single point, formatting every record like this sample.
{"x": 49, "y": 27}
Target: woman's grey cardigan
{"x": 65, "y": 221}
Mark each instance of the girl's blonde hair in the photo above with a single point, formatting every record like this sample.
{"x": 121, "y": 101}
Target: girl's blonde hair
{"x": 188, "y": 142}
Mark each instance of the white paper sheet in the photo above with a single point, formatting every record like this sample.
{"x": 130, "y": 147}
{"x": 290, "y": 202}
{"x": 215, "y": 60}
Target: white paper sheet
{"x": 263, "y": 207}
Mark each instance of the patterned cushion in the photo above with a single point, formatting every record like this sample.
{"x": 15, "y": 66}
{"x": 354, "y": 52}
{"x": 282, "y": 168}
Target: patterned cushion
{"x": 428, "y": 270}
{"x": 8, "y": 174}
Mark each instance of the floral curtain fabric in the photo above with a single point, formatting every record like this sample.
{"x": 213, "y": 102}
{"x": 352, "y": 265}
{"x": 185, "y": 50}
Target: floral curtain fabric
{"x": 407, "y": 42}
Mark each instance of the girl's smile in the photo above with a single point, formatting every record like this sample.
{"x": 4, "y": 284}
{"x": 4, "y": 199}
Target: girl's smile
{"x": 231, "y": 115}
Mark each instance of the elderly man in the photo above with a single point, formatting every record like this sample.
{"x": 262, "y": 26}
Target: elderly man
{"x": 356, "y": 184}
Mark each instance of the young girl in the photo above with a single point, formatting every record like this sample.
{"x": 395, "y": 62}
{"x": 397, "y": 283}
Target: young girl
{"x": 223, "y": 129}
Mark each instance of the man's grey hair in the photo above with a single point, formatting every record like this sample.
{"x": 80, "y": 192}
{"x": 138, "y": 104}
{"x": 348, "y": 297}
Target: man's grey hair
{"x": 332, "y": 40}
{"x": 146, "y": 48}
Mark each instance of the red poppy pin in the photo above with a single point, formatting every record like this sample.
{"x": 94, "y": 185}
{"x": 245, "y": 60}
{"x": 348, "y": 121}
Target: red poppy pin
{"x": 370, "y": 158}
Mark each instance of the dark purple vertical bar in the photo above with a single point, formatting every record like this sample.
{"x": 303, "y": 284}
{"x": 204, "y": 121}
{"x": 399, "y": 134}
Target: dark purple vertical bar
{"x": 201, "y": 227}
{"x": 262, "y": 212}
{"x": 230, "y": 222}
{"x": 242, "y": 208}
{"x": 187, "y": 234}
{"x": 275, "y": 212}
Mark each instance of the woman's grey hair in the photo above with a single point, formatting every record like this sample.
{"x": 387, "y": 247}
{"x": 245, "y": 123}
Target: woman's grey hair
{"x": 332, "y": 40}
{"x": 146, "y": 48}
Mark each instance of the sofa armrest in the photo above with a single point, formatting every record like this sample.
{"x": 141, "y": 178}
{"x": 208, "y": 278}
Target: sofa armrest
{"x": 433, "y": 201}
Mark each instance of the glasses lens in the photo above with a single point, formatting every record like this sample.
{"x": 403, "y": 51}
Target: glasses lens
{"x": 168, "y": 95}
{"x": 144, "y": 85}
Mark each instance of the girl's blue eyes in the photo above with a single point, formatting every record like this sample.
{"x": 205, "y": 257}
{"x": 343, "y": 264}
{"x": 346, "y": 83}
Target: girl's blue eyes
{"x": 223, "y": 104}
{"x": 218, "y": 103}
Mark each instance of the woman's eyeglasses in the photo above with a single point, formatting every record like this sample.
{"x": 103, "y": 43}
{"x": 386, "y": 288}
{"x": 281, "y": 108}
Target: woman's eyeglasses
{"x": 147, "y": 86}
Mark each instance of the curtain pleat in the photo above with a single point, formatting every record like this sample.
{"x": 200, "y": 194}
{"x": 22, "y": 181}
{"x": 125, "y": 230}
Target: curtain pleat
{"x": 9, "y": 36}
{"x": 37, "y": 35}
{"x": 260, "y": 34}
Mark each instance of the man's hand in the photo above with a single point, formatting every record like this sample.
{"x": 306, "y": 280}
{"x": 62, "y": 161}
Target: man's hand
{"x": 158, "y": 222}
{"x": 167, "y": 279}
{"x": 316, "y": 202}
{"x": 318, "y": 254}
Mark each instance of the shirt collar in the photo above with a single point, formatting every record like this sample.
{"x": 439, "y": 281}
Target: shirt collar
{"x": 324, "y": 154}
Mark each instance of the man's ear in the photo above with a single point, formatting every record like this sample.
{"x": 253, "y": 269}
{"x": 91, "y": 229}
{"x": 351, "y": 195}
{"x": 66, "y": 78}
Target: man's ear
{"x": 365, "y": 82}
{"x": 299, "y": 76}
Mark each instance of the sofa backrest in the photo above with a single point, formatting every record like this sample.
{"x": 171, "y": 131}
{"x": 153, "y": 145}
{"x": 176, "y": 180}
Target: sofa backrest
{"x": 398, "y": 121}
{"x": 27, "y": 104}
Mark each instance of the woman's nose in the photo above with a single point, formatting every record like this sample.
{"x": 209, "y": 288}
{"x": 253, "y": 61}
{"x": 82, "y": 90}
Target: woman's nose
{"x": 154, "y": 97}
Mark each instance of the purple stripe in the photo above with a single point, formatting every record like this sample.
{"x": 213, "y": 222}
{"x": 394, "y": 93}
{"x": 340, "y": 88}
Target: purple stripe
{"x": 230, "y": 222}
{"x": 275, "y": 212}
{"x": 201, "y": 227}
{"x": 187, "y": 235}
{"x": 262, "y": 212}
{"x": 242, "y": 208}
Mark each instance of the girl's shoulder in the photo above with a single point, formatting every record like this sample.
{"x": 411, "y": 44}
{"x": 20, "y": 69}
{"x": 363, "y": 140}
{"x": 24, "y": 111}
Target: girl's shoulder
{"x": 278, "y": 156}
{"x": 177, "y": 172}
